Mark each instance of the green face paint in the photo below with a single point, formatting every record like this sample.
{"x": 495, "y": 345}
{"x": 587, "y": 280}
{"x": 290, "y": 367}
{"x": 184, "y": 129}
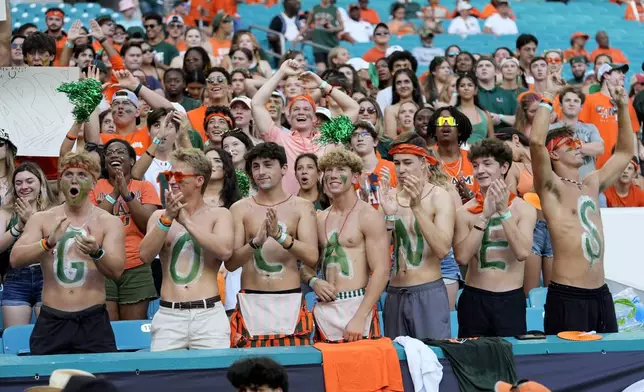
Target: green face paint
{"x": 487, "y": 244}
{"x": 343, "y": 178}
{"x": 334, "y": 254}
{"x": 403, "y": 246}
{"x": 591, "y": 241}
{"x": 84, "y": 188}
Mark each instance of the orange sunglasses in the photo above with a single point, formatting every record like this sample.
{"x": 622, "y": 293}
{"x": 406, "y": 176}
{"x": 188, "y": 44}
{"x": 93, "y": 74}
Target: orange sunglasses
{"x": 178, "y": 176}
{"x": 551, "y": 60}
{"x": 573, "y": 143}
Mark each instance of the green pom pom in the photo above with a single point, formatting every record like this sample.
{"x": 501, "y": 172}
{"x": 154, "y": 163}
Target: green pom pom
{"x": 243, "y": 182}
{"x": 336, "y": 131}
{"x": 85, "y": 95}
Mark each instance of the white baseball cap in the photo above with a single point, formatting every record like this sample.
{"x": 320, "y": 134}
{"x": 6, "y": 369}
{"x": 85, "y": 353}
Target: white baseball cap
{"x": 126, "y": 95}
{"x": 178, "y": 107}
{"x": 323, "y": 112}
{"x": 464, "y": 6}
{"x": 608, "y": 67}
{"x": 393, "y": 49}
{"x": 174, "y": 18}
{"x": 243, "y": 99}
{"x": 358, "y": 63}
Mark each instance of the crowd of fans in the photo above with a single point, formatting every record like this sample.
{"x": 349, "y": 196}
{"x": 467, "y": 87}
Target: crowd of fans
{"x": 202, "y": 178}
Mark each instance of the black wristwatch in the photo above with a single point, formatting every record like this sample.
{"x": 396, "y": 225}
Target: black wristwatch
{"x": 251, "y": 243}
{"x": 101, "y": 40}
{"x": 98, "y": 255}
{"x": 129, "y": 197}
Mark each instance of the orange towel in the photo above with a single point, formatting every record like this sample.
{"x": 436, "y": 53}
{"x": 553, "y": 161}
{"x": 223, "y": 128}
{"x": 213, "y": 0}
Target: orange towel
{"x": 362, "y": 366}
{"x": 221, "y": 284}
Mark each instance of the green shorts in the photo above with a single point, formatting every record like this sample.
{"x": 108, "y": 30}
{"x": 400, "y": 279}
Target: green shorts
{"x": 135, "y": 285}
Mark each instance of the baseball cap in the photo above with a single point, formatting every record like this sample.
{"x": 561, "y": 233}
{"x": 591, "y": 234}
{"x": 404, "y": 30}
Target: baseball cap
{"x": 637, "y": 78}
{"x": 610, "y": 67}
{"x": 136, "y": 32}
{"x": 89, "y": 384}
{"x": 579, "y": 34}
{"x": 464, "y": 6}
{"x": 509, "y": 60}
{"x": 178, "y": 107}
{"x": 353, "y": 5}
{"x": 126, "y": 95}
{"x": 125, "y": 5}
{"x": 218, "y": 19}
{"x": 323, "y": 112}
{"x": 520, "y": 386}
{"x": 578, "y": 59}
{"x": 174, "y": 19}
{"x": 277, "y": 93}
{"x": 102, "y": 19}
{"x": 358, "y": 63}
{"x": 393, "y": 49}
{"x": 424, "y": 32}
{"x": 4, "y": 135}
{"x": 243, "y": 99}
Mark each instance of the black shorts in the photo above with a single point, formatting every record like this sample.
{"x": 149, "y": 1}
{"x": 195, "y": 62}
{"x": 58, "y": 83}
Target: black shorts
{"x": 571, "y": 308}
{"x": 488, "y": 313}
{"x": 60, "y": 332}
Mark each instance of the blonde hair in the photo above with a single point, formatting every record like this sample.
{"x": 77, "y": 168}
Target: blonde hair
{"x": 80, "y": 160}
{"x": 333, "y": 54}
{"x": 437, "y": 175}
{"x": 197, "y": 160}
{"x": 46, "y": 197}
{"x": 445, "y": 95}
{"x": 340, "y": 157}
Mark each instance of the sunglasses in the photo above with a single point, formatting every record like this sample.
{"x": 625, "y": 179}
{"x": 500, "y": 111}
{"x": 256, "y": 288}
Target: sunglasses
{"x": 452, "y": 54}
{"x": 91, "y": 147}
{"x": 150, "y": 26}
{"x": 446, "y": 121}
{"x": 368, "y": 110}
{"x": 16, "y": 46}
{"x": 175, "y": 26}
{"x": 116, "y": 151}
{"x": 178, "y": 176}
{"x": 216, "y": 80}
{"x": 2, "y": 143}
{"x": 146, "y": 51}
{"x": 551, "y": 60}
{"x": 381, "y": 33}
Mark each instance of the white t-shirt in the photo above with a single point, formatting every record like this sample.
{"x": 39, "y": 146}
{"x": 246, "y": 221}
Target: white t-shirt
{"x": 501, "y": 25}
{"x": 361, "y": 31}
{"x": 424, "y": 56}
{"x": 290, "y": 27}
{"x": 156, "y": 166}
{"x": 460, "y": 26}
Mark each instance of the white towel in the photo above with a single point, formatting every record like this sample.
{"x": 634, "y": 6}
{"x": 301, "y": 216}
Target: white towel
{"x": 426, "y": 372}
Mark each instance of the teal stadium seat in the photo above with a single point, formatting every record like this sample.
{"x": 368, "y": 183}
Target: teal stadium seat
{"x": 537, "y": 297}
{"x": 381, "y": 301}
{"x": 458, "y": 296}
{"x": 311, "y": 300}
{"x": 153, "y": 306}
{"x": 534, "y": 318}
{"x": 453, "y": 323}
{"x": 16, "y": 339}
{"x": 132, "y": 335}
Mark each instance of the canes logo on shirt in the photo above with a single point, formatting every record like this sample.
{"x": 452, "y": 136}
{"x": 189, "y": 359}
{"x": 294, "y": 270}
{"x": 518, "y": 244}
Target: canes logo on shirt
{"x": 136, "y": 145}
{"x": 469, "y": 180}
{"x": 606, "y": 113}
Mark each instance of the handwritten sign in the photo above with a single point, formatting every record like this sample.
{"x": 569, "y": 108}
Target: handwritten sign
{"x": 35, "y": 115}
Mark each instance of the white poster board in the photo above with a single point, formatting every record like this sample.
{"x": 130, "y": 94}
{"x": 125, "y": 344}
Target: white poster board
{"x": 33, "y": 113}
{"x": 3, "y": 10}
{"x": 623, "y": 257}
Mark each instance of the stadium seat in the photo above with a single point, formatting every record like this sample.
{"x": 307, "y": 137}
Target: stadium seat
{"x": 1, "y": 290}
{"x": 381, "y": 321}
{"x": 132, "y": 335}
{"x": 381, "y": 301}
{"x": 458, "y": 295}
{"x": 16, "y": 339}
{"x": 534, "y": 318}
{"x": 153, "y": 306}
{"x": 537, "y": 297}
{"x": 454, "y": 323}
{"x": 311, "y": 300}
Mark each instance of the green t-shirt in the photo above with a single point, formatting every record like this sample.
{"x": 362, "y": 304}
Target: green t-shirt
{"x": 195, "y": 139}
{"x": 164, "y": 52}
{"x": 190, "y": 103}
{"x": 323, "y": 18}
{"x": 499, "y": 101}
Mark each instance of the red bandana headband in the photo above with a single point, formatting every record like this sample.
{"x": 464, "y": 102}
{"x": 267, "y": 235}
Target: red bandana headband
{"x": 55, "y": 13}
{"x": 228, "y": 119}
{"x": 413, "y": 150}
{"x": 637, "y": 166}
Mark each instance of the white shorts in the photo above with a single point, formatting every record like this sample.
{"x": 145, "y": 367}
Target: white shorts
{"x": 195, "y": 329}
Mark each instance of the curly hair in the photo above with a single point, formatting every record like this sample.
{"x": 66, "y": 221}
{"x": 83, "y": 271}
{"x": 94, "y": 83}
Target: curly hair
{"x": 79, "y": 160}
{"x": 225, "y": 110}
{"x": 462, "y": 122}
{"x": 341, "y": 157}
{"x": 493, "y": 148}
{"x": 268, "y": 150}
{"x": 197, "y": 160}
{"x": 39, "y": 42}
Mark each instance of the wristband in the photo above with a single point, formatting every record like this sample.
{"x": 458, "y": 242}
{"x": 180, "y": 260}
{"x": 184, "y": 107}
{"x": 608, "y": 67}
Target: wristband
{"x": 156, "y": 141}
{"x": 390, "y": 218}
{"x": 150, "y": 155}
{"x": 137, "y": 90}
{"x": 324, "y": 85}
{"x": 98, "y": 255}
{"x": 44, "y": 245}
{"x": 165, "y": 221}
{"x": 313, "y": 279}
{"x": 282, "y": 238}
{"x": 506, "y": 215}
{"x": 546, "y": 105}
{"x": 161, "y": 226}
{"x": 16, "y": 233}
{"x": 290, "y": 245}
{"x": 129, "y": 197}
{"x": 71, "y": 137}
{"x": 110, "y": 199}
{"x": 251, "y": 243}
{"x": 69, "y": 44}
{"x": 101, "y": 40}
{"x": 479, "y": 228}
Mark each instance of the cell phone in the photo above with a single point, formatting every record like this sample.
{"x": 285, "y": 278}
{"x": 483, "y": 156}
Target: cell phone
{"x": 531, "y": 336}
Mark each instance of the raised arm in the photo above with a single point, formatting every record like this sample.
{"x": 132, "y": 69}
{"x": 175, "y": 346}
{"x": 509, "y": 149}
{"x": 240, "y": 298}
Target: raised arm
{"x": 349, "y": 106}
{"x": 261, "y": 117}
{"x": 128, "y": 81}
{"x": 544, "y": 176}
{"x": 616, "y": 164}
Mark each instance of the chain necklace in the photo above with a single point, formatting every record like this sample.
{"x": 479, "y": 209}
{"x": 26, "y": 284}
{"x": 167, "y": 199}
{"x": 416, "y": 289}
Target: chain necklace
{"x": 579, "y": 184}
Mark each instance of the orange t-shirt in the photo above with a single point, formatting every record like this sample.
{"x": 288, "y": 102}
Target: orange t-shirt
{"x": 370, "y": 15}
{"x": 400, "y": 28}
{"x": 461, "y": 168}
{"x": 615, "y": 54}
{"x": 634, "y": 198}
{"x": 490, "y": 10}
{"x": 374, "y": 54}
{"x": 228, "y": 6}
{"x": 220, "y": 48}
{"x": 60, "y": 45}
{"x": 145, "y": 193}
{"x": 599, "y": 110}
{"x": 267, "y": 3}
{"x": 97, "y": 46}
{"x": 139, "y": 140}
{"x": 570, "y": 52}
{"x": 117, "y": 65}
{"x": 374, "y": 182}
{"x": 630, "y": 13}
{"x": 208, "y": 7}
{"x": 196, "y": 117}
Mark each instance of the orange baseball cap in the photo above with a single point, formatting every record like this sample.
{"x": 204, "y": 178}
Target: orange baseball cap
{"x": 520, "y": 386}
{"x": 578, "y": 35}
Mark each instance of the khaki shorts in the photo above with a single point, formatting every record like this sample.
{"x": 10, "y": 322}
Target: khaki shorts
{"x": 195, "y": 329}
{"x": 135, "y": 285}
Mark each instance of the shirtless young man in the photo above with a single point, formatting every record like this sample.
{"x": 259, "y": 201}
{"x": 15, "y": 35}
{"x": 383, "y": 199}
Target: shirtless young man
{"x": 273, "y": 230}
{"x": 578, "y": 299}
{"x": 78, "y": 246}
{"x": 355, "y": 255}
{"x": 494, "y": 236}
{"x": 191, "y": 238}
{"x": 421, "y": 215}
